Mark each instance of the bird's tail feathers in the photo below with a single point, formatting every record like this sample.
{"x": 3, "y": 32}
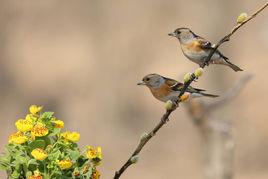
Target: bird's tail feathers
{"x": 233, "y": 66}
{"x": 209, "y": 95}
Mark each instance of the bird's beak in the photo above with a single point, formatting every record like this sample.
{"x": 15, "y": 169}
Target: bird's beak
{"x": 141, "y": 83}
{"x": 172, "y": 34}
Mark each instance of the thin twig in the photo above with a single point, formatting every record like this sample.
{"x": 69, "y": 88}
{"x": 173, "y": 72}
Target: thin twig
{"x": 142, "y": 143}
{"x": 165, "y": 117}
{"x": 228, "y": 36}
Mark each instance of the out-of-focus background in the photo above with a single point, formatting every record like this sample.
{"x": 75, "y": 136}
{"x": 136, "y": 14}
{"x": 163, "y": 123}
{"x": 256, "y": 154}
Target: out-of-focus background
{"x": 82, "y": 60}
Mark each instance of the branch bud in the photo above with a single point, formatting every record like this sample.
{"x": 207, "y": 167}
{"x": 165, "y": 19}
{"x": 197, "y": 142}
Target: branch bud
{"x": 144, "y": 136}
{"x": 241, "y": 18}
{"x": 134, "y": 159}
{"x": 169, "y": 105}
{"x": 185, "y": 97}
{"x": 187, "y": 77}
{"x": 198, "y": 72}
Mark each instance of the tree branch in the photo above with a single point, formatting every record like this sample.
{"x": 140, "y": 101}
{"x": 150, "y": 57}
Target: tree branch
{"x": 165, "y": 117}
{"x": 228, "y": 36}
{"x": 144, "y": 139}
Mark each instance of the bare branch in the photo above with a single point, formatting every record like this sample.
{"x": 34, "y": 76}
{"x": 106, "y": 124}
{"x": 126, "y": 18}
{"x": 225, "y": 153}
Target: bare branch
{"x": 165, "y": 117}
{"x": 142, "y": 143}
{"x": 228, "y": 36}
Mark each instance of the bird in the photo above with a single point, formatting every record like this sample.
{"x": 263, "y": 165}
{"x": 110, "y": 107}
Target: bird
{"x": 164, "y": 89}
{"x": 197, "y": 49}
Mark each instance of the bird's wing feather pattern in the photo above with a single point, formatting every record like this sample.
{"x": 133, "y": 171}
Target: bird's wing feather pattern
{"x": 177, "y": 86}
{"x": 204, "y": 43}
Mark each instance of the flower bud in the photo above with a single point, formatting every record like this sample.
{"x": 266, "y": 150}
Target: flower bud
{"x": 144, "y": 136}
{"x": 187, "y": 77}
{"x": 198, "y": 72}
{"x": 134, "y": 159}
{"x": 241, "y": 18}
{"x": 169, "y": 105}
{"x": 185, "y": 97}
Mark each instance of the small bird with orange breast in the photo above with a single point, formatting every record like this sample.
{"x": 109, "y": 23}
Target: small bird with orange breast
{"x": 165, "y": 89}
{"x": 197, "y": 49}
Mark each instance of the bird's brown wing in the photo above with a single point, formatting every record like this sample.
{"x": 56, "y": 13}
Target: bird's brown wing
{"x": 177, "y": 86}
{"x": 170, "y": 82}
{"x": 204, "y": 43}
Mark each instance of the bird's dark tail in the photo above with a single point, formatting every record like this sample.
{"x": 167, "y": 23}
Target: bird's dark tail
{"x": 209, "y": 95}
{"x": 228, "y": 63}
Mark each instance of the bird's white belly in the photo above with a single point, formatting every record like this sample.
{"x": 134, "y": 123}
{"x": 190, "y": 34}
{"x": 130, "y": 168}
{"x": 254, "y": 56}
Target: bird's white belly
{"x": 198, "y": 57}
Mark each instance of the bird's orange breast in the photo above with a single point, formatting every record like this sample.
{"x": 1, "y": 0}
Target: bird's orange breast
{"x": 193, "y": 46}
{"x": 161, "y": 92}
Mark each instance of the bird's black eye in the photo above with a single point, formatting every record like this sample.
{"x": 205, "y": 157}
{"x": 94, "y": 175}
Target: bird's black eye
{"x": 147, "y": 79}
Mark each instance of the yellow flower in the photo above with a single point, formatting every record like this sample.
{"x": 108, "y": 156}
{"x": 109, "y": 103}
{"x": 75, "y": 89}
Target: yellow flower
{"x": 96, "y": 174}
{"x": 37, "y": 175}
{"x": 17, "y": 138}
{"x": 39, "y": 154}
{"x": 71, "y": 136}
{"x": 31, "y": 118}
{"x": 39, "y": 130}
{"x": 24, "y": 125}
{"x": 94, "y": 154}
{"x": 58, "y": 124}
{"x": 65, "y": 164}
{"x": 35, "y": 109}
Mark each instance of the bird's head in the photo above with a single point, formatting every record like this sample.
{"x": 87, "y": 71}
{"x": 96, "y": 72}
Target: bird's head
{"x": 183, "y": 34}
{"x": 152, "y": 81}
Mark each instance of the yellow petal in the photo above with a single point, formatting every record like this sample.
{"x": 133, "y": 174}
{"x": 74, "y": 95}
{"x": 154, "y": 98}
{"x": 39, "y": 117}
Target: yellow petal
{"x": 24, "y": 125}
{"x": 65, "y": 164}
{"x": 39, "y": 154}
{"x": 34, "y": 109}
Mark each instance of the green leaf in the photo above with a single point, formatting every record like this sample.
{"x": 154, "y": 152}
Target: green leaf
{"x": 29, "y": 173}
{"x": 54, "y": 155}
{"x": 39, "y": 143}
{"x": 74, "y": 155}
{"x": 15, "y": 174}
{"x": 32, "y": 162}
{"x": 55, "y": 131}
{"x": 20, "y": 160}
{"x": 47, "y": 115}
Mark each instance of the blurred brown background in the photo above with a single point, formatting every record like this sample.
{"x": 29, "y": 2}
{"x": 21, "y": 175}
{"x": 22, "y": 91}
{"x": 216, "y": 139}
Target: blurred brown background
{"x": 82, "y": 59}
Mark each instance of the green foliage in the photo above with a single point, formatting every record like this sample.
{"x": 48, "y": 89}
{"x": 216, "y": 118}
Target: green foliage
{"x": 39, "y": 150}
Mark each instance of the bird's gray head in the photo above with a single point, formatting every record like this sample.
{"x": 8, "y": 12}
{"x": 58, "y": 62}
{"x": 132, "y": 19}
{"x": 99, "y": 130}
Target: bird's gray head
{"x": 152, "y": 81}
{"x": 183, "y": 34}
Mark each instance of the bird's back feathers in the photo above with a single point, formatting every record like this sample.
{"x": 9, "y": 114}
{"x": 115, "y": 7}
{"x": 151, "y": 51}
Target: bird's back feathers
{"x": 177, "y": 86}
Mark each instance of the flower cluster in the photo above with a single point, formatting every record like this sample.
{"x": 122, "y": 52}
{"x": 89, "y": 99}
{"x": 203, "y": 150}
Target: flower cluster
{"x": 40, "y": 150}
